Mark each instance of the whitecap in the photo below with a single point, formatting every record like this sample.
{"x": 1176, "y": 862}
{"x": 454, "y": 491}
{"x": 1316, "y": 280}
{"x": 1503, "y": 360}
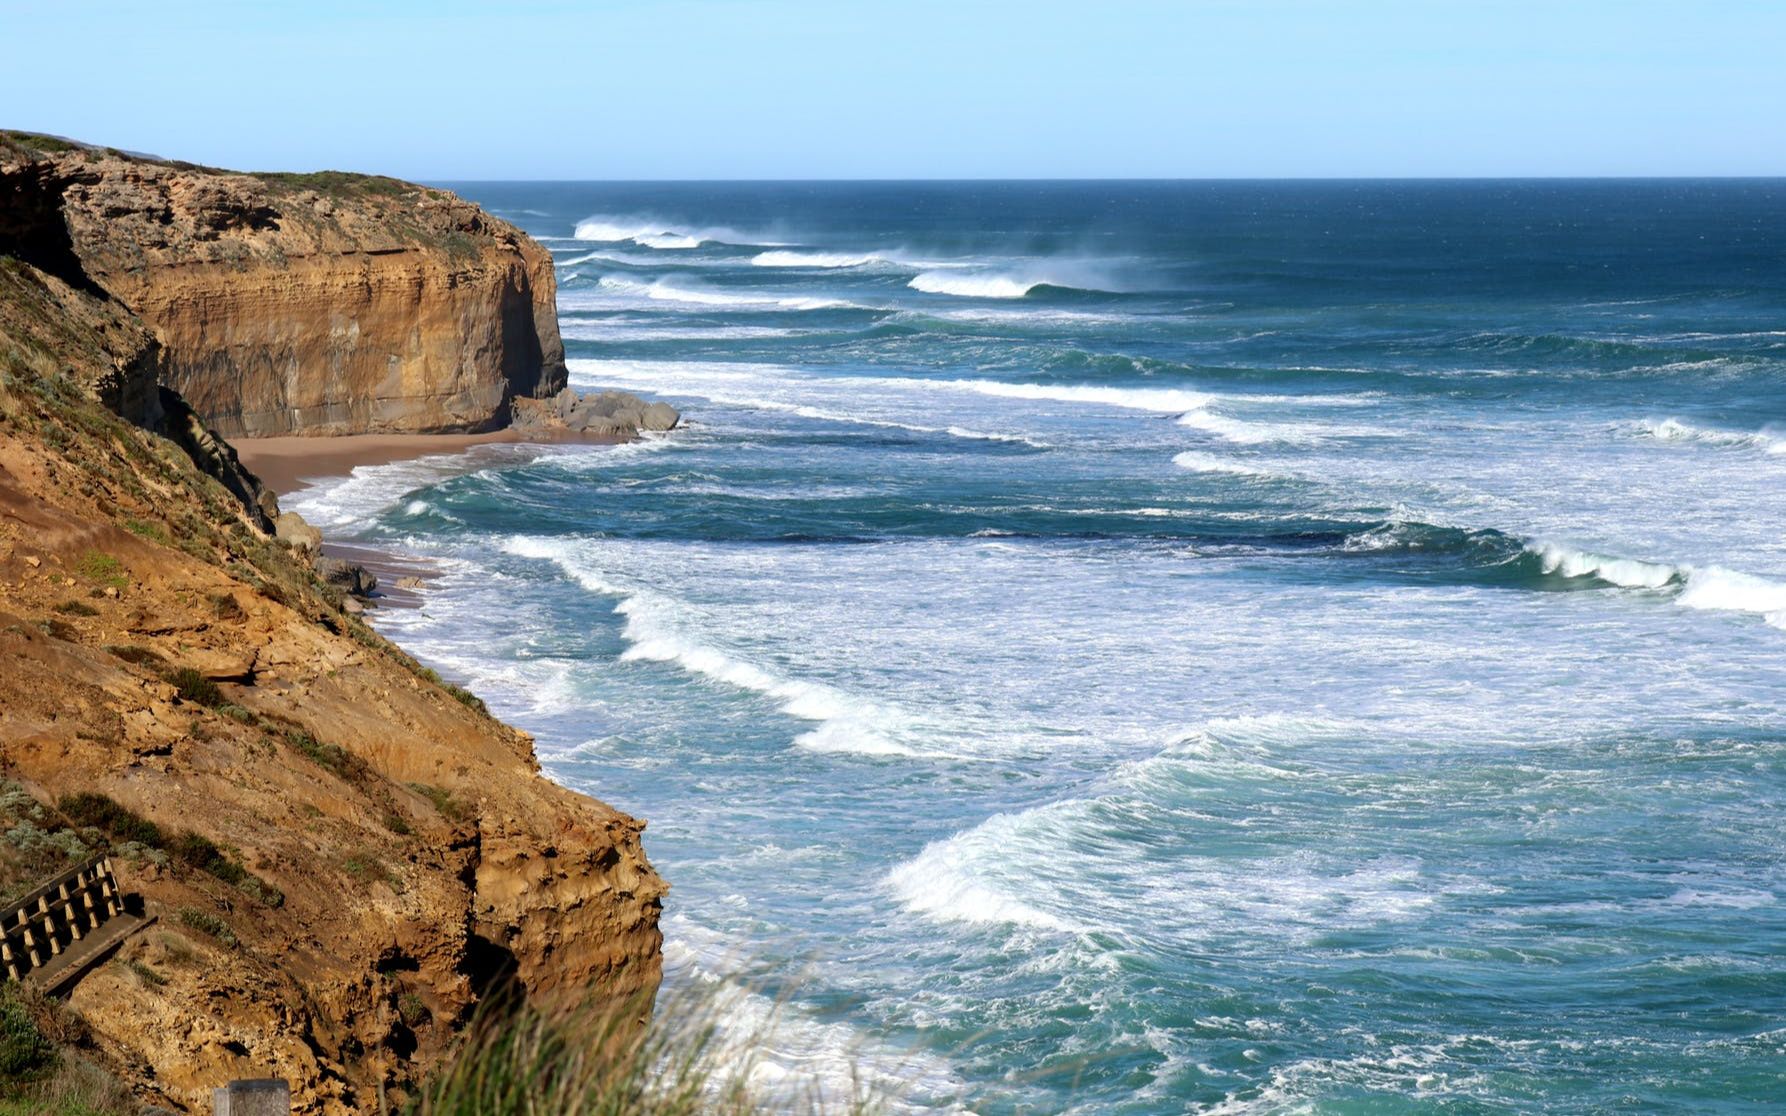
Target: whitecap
{"x": 660, "y": 628}
{"x": 666, "y": 290}
{"x": 1626, "y": 573}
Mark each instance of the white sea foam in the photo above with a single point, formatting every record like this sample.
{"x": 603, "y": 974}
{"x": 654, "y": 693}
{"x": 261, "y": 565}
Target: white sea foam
{"x": 1210, "y": 463}
{"x": 793, "y": 1061}
{"x": 1711, "y": 588}
{"x": 1626, "y": 573}
{"x": 1674, "y": 430}
{"x": 1163, "y": 400}
{"x": 946, "y": 881}
{"x": 660, "y": 628}
{"x": 992, "y": 284}
{"x": 667, "y": 290}
{"x": 573, "y": 329}
{"x": 646, "y": 234}
{"x": 1716, "y": 588}
{"x": 782, "y": 257}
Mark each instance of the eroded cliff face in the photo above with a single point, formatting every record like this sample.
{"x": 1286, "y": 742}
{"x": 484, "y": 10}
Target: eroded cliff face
{"x": 398, "y": 849}
{"x": 315, "y": 304}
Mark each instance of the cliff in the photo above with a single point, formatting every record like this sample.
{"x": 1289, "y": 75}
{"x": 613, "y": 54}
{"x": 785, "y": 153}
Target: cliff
{"x": 345, "y": 852}
{"x": 323, "y": 303}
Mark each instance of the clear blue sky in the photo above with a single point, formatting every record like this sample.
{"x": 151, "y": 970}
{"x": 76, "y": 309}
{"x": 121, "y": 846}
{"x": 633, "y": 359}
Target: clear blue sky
{"x": 443, "y": 89}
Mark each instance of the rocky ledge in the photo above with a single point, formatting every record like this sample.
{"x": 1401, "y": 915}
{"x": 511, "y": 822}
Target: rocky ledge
{"x": 324, "y": 303}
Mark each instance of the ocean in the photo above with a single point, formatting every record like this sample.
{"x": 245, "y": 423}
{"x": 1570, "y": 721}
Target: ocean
{"x": 1158, "y": 647}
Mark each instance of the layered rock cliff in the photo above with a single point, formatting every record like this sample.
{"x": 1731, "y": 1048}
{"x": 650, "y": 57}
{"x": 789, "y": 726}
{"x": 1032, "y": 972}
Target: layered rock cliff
{"x": 323, "y": 303}
{"x": 344, "y": 851}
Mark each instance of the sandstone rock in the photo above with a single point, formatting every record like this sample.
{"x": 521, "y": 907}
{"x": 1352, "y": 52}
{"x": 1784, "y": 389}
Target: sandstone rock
{"x": 659, "y": 416}
{"x": 411, "y": 848}
{"x": 410, "y": 583}
{"x": 291, "y": 528}
{"x": 350, "y": 577}
{"x": 384, "y": 307}
{"x": 611, "y": 414}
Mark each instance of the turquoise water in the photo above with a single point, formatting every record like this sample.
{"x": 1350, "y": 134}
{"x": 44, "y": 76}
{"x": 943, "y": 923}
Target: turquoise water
{"x": 1146, "y": 648}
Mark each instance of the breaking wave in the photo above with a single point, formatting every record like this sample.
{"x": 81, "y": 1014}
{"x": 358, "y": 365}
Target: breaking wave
{"x": 652, "y": 232}
{"x": 1001, "y": 284}
{"x": 1674, "y": 430}
{"x": 659, "y": 628}
{"x": 664, "y": 290}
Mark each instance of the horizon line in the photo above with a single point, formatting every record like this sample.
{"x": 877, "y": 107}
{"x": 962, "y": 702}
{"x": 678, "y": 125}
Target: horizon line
{"x": 1778, "y": 177}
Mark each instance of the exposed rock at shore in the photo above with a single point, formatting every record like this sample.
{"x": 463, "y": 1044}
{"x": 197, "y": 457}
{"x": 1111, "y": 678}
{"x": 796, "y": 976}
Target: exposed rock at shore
{"x": 324, "y": 303}
{"x": 616, "y": 414}
{"x": 391, "y": 849}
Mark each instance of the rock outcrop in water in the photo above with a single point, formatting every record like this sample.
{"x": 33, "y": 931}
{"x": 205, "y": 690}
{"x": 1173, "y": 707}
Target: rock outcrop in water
{"x": 606, "y": 413}
{"x": 320, "y": 303}
{"x": 344, "y": 852}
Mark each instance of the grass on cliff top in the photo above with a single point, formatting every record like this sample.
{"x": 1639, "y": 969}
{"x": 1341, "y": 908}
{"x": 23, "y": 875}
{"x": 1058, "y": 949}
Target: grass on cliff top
{"x": 338, "y": 184}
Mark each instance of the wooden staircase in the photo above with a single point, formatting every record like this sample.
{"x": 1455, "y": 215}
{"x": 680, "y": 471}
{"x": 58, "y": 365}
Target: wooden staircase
{"x": 59, "y": 932}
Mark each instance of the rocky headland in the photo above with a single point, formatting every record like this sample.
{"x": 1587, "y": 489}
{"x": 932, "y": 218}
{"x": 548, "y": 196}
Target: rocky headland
{"x": 344, "y": 852}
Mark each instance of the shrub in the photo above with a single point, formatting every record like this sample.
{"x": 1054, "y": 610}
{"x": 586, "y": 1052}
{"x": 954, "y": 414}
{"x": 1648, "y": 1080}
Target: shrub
{"x": 154, "y": 532}
{"x": 197, "y": 851}
{"x": 76, "y": 608}
{"x": 468, "y": 699}
{"x": 225, "y": 607}
{"x": 195, "y": 687}
{"x": 444, "y": 802}
{"x": 24, "y": 1051}
{"x": 103, "y": 813}
{"x": 102, "y": 568}
{"x": 141, "y": 656}
{"x": 145, "y": 974}
{"x": 332, "y": 756}
{"x": 209, "y": 925}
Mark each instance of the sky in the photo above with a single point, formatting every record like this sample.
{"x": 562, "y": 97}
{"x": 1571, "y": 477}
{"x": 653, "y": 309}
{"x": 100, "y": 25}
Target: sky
{"x": 722, "y": 89}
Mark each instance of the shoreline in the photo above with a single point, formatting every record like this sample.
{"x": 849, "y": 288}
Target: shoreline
{"x": 289, "y": 464}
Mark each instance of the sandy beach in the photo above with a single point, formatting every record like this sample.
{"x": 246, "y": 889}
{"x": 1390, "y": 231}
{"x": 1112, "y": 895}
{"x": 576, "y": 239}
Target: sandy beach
{"x": 286, "y": 464}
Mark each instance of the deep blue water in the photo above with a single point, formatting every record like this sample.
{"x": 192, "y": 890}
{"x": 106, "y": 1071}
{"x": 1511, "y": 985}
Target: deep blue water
{"x": 1161, "y": 647}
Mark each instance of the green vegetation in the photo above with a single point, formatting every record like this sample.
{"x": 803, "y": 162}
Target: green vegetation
{"x": 366, "y": 867}
{"x": 144, "y": 973}
{"x": 103, "y": 813}
{"x": 337, "y": 759}
{"x": 195, "y": 687}
{"x": 124, "y": 826}
{"x": 601, "y": 1062}
{"x": 102, "y": 568}
{"x": 468, "y": 699}
{"x": 209, "y": 925}
{"x": 154, "y": 532}
{"x": 43, "y": 1071}
{"x": 34, "y": 843}
{"x": 336, "y": 184}
{"x": 444, "y": 802}
{"x": 141, "y": 656}
{"x": 413, "y": 1010}
{"x": 24, "y": 1051}
{"x": 34, "y": 141}
{"x": 76, "y": 608}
